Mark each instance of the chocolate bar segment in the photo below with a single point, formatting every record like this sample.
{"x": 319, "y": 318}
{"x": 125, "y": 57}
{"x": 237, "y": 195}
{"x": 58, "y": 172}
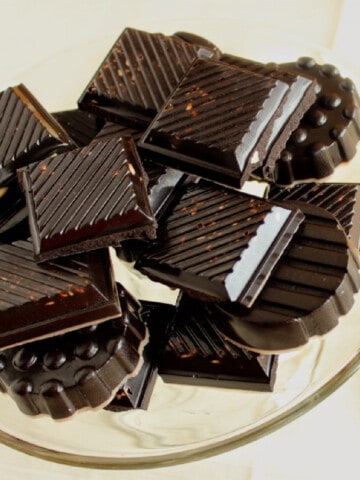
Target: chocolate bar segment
{"x": 312, "y": 286}
{"x": 197, "y": 354}
{"x": 219, "y": 244}
{"x": 41, "y": 300}
{"x": 13, "y": 213}
{"x": 340, "y": 199}
{"x": 137, "y": 75}
{"x": 86, "y": 199}
{"x": 62, "y": 375}
{"x": 27, "y": 132}
{"x": 217, "y": 122}
{"x": 301, "y": 95}
{"x": 329, "y": 131}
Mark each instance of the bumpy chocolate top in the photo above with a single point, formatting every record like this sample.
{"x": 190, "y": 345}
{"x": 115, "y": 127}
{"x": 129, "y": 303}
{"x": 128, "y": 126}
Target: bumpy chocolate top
{"x": 88, "y": 198}
{"x": 197, "y": 354}
{"x": 312, "y": 285}
{"x": 138, "y": 74}
{"x": 40, "y": 300}
{"x": 27, "y": 131}
{"x": 216, "y": 123}
{"x": 220, "y": 244}
{"x": 60, "y": 375}
{"x": 329, "y": 131}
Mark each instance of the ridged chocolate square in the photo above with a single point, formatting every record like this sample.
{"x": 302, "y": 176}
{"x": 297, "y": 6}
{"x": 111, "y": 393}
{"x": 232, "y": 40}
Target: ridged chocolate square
{"x": 86, "y": 199}
{"x": 216, "y": 123}
{"x": 219, "y": 244}
{"x": 137, "y": 75}
{"x": 40, "y": 300}
{"x": 197, "y": 354}
{"x": 27, "y": 131}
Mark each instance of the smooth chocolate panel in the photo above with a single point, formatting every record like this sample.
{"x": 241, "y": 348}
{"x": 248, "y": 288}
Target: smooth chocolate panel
{"x": 81, "y": 126}
{"x": 27, "y": 132}
{"x": 42, "y": 300}
{"x": 197, "y": 354}
{"x": 61, "y": 375}
{"x": 219, "y": 244}
{"x": 137, "y": 75}
{"x": 216, "y": 123}
{"x": 86, "y": 199}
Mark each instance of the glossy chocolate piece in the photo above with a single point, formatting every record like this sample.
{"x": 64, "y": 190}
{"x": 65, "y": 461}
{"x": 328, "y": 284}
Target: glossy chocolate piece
{"x": 197, "y": 354}
{"x": 137, "y": 390}
{"x": 83, "y": 369}
{"x": 81, "y": 126}
{"x": 301, "y": 95}
{"x": 86, "y": 199}
{"x": 328, "y": 133}
{"x": 219, "y": 244}
{"x": 137, "y": 75}
{"x": 27, "y": 132}
{"x": 312, "y": 286}
{"x": 217, "y": 122}
{"x": 40, "y": 300}
{"x": 340, "y": 199}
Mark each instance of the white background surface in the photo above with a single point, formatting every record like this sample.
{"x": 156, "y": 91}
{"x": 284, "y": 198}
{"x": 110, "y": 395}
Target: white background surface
{"x": 324, "y": 443}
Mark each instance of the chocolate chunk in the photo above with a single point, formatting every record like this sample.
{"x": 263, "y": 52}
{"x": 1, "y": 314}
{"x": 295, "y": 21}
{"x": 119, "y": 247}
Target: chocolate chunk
{"x": 41, "y": 300}
{"x": 216, "y": 123}
{"x": 328, "y": 133}
{"x": 300, "y": 96}
{"x": 340, "y": 199}
{"x": 27, "y": 132}
{"x": 61, "y": 375}
{"x": 87, "y": 198}
{"x": 137, "y": 75}
{"x": 81, "y": 126}
{"x": 137, "y": 390}
{"x": 219, "y": 244}
{"x": 312, "y": 285}
{"x": 197, "y": 354}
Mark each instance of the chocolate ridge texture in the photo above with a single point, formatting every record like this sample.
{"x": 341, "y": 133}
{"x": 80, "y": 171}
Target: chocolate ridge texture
{"x": 62, "y": 375}
{"x": 219, "y": 244}
{"x": 137, "y": 75}
{"x": 197, "y": 354}
{"x": 86, "y": 199}
{"x": 197, "y": 131}
{"x": 38, "y": 301}
{"x": 313, "y": 284}
{"x": 27, "y": 132}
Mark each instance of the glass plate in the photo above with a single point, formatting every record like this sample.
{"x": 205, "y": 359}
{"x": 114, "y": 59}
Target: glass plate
{"x": 184, "y": 423}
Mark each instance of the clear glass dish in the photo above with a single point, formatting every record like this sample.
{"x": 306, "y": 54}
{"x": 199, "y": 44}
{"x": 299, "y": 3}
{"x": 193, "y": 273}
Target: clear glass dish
{"x": 184, "y": 423}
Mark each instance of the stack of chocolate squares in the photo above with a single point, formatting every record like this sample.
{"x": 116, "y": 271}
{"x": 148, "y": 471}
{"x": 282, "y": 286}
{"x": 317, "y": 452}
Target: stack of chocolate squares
{"x": 153, "y": 163}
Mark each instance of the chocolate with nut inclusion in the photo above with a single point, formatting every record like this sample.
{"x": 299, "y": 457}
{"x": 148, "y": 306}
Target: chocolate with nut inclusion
{"x": 86, "y": 199}
{"x": 219, "y": 244}
{"x": 198, "y": 132}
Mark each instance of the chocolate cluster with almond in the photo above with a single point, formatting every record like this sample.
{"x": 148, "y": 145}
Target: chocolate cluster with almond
{"x": 152, "y": 163}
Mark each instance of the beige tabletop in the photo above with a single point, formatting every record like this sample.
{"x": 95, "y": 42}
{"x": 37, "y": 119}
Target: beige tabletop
{"x": 55, "y": 46}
